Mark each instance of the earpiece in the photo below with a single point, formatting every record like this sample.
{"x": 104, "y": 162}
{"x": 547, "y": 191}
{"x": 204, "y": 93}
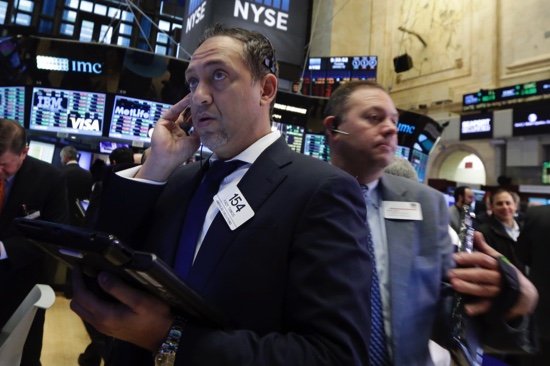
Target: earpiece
{"x": 335, "y": 128}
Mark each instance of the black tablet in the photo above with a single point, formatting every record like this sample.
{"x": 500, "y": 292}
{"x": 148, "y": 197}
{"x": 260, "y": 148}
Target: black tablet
{"x": 95, "y": 252}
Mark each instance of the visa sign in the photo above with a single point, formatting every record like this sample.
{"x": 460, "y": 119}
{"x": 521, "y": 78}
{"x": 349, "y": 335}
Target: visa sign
{"x": 86, "y": 124}
{"x": 277, "y": 17}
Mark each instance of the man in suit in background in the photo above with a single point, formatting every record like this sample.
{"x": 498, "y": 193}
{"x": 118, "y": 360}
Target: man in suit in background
{"x": 533, "y": 250}
{"x": 412, "y": 249}
{"x": 463, "y": 196}
{"x": 27, "y": 187}
{"x": 79, "y": 183}
{"x": 292, "y": 278}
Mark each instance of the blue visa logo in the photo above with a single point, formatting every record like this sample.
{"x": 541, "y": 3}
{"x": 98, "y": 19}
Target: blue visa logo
{"x": 271, "y": 13}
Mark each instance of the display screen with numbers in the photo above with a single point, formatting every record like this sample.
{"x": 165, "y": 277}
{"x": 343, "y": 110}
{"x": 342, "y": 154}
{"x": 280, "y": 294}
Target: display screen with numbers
{"x": 134, "y": 119}
{"x": 69, "y": 111}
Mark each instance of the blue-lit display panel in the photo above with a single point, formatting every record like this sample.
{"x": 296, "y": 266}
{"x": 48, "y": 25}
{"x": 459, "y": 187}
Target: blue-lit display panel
{"x": 68, "y": 111}
{"x": 134, "y": 119}
{"x": 12, "y": 103}
{"x": 403, "y": 152}
{"x": 419, "y": 161}
{"x": 316, "y": 146}
{"x": 293, "y": 135}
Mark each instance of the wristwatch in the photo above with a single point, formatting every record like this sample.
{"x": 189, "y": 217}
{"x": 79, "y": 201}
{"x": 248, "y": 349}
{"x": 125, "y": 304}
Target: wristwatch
{"x": 166, "y": 355}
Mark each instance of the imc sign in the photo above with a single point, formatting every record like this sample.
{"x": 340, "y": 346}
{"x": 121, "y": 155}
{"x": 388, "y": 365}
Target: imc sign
{"x": 284, "y": 22}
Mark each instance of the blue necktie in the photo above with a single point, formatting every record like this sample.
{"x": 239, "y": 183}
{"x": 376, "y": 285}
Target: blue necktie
{"x": 378, "y": 350}
{"x": 196, "y": 212}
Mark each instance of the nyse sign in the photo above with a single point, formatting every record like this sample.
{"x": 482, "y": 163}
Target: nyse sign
{"x": 195, "y": 16}
{"x": 261, "y": 14}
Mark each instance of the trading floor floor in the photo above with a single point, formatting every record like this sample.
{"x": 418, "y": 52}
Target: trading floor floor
{"x": 65, "y": 337}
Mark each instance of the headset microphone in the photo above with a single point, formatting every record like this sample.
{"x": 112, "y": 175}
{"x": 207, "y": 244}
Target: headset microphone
{"x": 335, "y": 129}
{"x": 340, "y": 131}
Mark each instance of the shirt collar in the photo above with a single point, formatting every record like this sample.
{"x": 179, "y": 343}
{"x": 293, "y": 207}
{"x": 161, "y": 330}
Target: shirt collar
{"x": 251, "y": 153}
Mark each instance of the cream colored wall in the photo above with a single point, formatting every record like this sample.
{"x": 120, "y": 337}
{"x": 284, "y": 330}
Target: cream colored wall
{"x": 471, "y": 45}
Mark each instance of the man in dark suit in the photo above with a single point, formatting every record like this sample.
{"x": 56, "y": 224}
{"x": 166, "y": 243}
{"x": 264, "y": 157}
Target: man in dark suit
{"x": 79, "y": 183}
{"x": 292, "y": 275}
{"x": 409, "y": 222}
{"x": 533, "y": 249}
{"x": 30, "y": 187}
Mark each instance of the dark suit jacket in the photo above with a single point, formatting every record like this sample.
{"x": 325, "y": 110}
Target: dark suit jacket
{"x": 294, "y": 281}
{"x": 79, "y": 186}
{"x": 39, "y": 186}
{"x": 533, "y": 249}
{"x": 496, "y": 236}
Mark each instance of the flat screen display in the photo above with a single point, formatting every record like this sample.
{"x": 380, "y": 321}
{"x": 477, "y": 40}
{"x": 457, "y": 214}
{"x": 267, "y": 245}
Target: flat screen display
{"x": 41, "y": 150}
{"x": 546, "y": 172}
{"x": 316, "y": 146}
{"x": 403, "y": 152}
{"x": 419, "y": 160}
{"x": 134, "y": 119}
{"x": 107, "y": 147}
{"x": 532, "y": 120}
{"x": 476, "y": 126}
{"x": 293, "y": 135}
{"x": 84, "y": 159}
{"x": 364, "y": 67}
{"x": 69, "y": 111}
{"x": 12, "y": 103}
{"x": 539, "y": 200}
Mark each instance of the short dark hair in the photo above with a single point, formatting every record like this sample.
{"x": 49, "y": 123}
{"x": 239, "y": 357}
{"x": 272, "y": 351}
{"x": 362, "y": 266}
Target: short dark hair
{"x": 122, "y": 155}
{"x": 12, "y": 137}
{"x": 337, "y": 105}
{"x": 459, "y": 191}
{"x": 258, "y": 52}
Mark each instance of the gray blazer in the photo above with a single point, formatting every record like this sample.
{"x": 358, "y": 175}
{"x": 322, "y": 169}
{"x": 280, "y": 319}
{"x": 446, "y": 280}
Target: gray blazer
{"x": 420, "y": 253}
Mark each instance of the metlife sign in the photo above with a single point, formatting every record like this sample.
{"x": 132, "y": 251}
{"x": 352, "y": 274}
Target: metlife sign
{"x": 284, "y": 22}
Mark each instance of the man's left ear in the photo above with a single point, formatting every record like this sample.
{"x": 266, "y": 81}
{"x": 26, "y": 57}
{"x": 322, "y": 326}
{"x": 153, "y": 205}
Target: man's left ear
{"x": 269, "y": 88}
{"x": 25, "y": 151}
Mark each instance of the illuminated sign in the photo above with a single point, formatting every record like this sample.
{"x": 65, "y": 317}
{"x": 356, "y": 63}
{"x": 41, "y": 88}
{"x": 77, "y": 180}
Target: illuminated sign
{"x": 476, "y": 126}
{"x": 510, "y": 95}
{"x": 271, "y": 17}
{"x": 405, "y": 128}
{"x": 196, "y": 14}
{"x": 66, "y": 65}
{"x": 290, "y": 108}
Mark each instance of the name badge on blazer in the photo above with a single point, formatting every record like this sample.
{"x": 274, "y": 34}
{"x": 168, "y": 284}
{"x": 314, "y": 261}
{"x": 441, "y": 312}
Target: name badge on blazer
{"x": 233, "y": 206}
{"x": 402, "y": 210}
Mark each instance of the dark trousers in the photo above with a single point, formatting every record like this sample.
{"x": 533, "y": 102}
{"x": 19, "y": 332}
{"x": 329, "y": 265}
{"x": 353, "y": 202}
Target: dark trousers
{"x": 33, "y": 344}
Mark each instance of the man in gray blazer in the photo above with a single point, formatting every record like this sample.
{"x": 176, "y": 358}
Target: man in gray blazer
{"x": 409, "y": 224}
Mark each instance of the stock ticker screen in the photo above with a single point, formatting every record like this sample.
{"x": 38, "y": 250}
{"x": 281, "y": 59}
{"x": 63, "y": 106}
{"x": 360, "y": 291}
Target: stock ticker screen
{"x": 293, "y": 134}
{"x": 134, "y": 119}
{"x": 12, "y": 103}
{"x": 326, "y": 74}
{"x": 316, "y": 146}
{"x": 69, "y": 111}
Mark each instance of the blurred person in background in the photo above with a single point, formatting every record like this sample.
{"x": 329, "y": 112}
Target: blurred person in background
{"x": 28, "y": 188}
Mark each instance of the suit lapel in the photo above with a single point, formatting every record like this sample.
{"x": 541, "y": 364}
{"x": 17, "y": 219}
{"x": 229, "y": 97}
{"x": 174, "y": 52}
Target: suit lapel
{"x": 259, "y": 182}
{"x": 399, "y": 235}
